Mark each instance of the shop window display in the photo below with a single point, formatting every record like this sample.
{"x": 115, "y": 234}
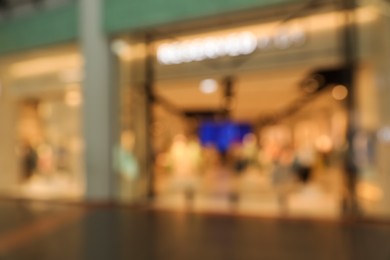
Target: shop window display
{"x": 50, "y": 148}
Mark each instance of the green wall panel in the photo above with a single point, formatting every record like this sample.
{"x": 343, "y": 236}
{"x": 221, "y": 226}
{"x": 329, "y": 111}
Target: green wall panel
{"x": 134, "y": 14}
{"x": 39, "y": 29}
{"x": 61, "y": 25}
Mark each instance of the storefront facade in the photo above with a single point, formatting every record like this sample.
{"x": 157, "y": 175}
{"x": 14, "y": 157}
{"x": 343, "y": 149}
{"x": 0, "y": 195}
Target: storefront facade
{"x": 144, "y": 49}
{"x": 182, "y": 56}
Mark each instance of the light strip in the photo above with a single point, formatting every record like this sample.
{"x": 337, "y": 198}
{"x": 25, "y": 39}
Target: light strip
{"x": 251, "y": 38}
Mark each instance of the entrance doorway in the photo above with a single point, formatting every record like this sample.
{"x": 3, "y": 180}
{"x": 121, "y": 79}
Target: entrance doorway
{"x": 257, "y": 141}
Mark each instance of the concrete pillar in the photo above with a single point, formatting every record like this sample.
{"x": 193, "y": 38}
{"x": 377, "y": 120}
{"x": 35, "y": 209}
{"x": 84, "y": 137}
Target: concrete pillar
{"x": 100, "y": 111}
{"x": 382, "y": 77}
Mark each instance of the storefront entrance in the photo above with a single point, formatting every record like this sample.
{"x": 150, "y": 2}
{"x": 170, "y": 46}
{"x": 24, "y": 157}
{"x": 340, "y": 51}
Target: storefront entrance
{"x": 250, "y": 141}
{"x": 250, "y": 115}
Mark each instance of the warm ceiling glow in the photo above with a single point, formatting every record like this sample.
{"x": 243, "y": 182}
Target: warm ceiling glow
{"x": 46, "y": 65}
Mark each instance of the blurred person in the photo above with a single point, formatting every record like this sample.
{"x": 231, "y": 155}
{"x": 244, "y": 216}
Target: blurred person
{"x": 250, "y": 149}
{"x": 183, "y": 161}
{"x": 324, "y": 148}
{"x": 304, "y": 163}
{"x": 127, "y": 163}
{"x": 195, "y": 154}
{"x": 218, "y": 176}
{"x": 282, "y": 176}
{"x": 63, "y": 157}
{"x": 236, "y": 158}
{"x": 46, "y": 159}
{"x": 29, "y": 161}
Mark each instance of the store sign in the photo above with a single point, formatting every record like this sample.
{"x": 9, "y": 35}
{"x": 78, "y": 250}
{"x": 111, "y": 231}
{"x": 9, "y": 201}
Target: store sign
{"x": 234, "y": 44}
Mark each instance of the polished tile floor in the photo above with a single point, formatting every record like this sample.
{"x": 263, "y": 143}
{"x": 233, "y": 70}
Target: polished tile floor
{"x": 47, "y": 231}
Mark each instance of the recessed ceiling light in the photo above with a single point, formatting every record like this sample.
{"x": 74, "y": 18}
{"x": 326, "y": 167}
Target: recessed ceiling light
{"x": 208, "y": 86}
{"x": 339, "y": 92}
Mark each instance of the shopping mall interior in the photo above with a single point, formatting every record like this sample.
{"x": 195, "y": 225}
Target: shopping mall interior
{"x": 195, "y": 129}
{"x": 238, "y": 141}
{"x": 259, "y": 125}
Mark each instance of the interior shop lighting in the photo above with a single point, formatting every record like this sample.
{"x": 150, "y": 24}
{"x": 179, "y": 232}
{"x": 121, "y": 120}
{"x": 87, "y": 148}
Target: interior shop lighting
{"x": 120, "y": 48}
{"x": 73, "y": 98}
{"x": 47, "y": 65}
{"x": 199, "y": 49}
{"x": 339, "y": 92}
{"x": 208, "y": 86}
{"x": 324, "y": 143}
{"x": 369, "y": 191}
{"x": 234, "y": 44}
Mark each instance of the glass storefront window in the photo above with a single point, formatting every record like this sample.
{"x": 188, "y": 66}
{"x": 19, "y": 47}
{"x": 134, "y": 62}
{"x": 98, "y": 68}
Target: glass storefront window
{"x": 132, "y": 155}
{"x": 191, "y": 168}
{"x": 44, "y": 91}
